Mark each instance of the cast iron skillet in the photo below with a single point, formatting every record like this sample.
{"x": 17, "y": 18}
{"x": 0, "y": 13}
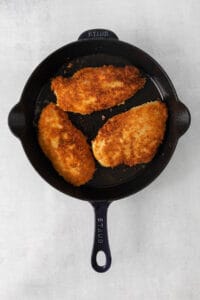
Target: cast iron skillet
{"x": 96, "y": 48}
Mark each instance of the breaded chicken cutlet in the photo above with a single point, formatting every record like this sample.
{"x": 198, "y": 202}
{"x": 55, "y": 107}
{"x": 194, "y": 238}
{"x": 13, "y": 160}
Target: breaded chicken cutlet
{"x": 93, "y": 89}
{"x": 131, "y": 137}
{"x": 65, "y": 146}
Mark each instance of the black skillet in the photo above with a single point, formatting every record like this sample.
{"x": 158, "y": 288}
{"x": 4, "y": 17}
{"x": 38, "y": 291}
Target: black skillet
{"x": 96, "y": 48}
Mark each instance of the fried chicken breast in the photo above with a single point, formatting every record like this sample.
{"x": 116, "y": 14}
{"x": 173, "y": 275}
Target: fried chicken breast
{"x": 94, "y": 89}
{"x": 131, "y": 137}
{"x": 65, "y": 146}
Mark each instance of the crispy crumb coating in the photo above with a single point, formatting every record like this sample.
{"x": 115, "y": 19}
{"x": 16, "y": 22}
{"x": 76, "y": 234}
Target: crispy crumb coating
{"x": 131, "y": 137}
{"x": 93, "y": 89}
{"x": 65, "y": 146}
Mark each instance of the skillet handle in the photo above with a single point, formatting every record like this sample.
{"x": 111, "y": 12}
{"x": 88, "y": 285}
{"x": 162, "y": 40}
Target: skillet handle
{"x": 99, "y": 34}
{"x": 101, "y": 243}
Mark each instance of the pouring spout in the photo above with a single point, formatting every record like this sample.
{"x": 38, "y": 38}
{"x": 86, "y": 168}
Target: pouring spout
{"x": 183, "y": 118}
{"x": 16, "y": 120}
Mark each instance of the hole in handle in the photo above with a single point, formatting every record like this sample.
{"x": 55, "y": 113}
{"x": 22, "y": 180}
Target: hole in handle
{"x": 101, "y": 261}
{"x": 101, "y": 258}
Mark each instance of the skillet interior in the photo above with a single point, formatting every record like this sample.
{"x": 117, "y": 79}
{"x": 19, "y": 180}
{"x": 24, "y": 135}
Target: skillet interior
{"x": 90, "y": 124}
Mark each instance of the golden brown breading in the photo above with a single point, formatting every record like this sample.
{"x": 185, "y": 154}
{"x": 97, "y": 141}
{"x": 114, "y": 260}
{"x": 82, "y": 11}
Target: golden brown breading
{"x": 65, "y": 146}
{"x": 131, "y": 137}
{"x": 93, "y": 89}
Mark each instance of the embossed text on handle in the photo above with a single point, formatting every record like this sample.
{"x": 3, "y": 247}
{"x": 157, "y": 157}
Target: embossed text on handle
{"x": 93, "y": 34}
{"x": 100, "y": 230}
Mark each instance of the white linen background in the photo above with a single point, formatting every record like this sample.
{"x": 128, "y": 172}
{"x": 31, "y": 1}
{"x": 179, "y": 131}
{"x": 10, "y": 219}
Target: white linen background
{"x": 46, "y": 237}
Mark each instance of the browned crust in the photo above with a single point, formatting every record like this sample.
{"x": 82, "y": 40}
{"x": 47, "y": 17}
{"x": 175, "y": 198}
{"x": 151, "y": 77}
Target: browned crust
{"x": 132, "y": 137}
{"x": 94, "y": 89}
{"x": 65, "y": 146}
